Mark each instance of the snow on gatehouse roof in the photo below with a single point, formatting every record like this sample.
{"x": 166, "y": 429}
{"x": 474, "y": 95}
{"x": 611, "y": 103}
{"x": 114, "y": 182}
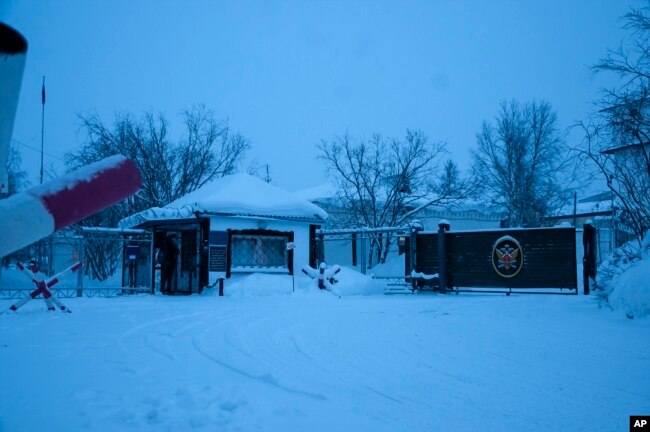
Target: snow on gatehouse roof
{"x": 234, "y": 195}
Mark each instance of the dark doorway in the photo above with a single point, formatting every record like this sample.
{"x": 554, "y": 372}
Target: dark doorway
{"x": 180, "y": 263}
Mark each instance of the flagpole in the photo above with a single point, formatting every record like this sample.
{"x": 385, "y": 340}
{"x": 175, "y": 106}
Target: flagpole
{"x": 42, "y": 125}
{"x": 41, "y": 243}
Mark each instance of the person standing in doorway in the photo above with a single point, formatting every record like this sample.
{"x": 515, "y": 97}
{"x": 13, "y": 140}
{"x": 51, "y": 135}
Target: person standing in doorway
{"x": 170, "y": 264}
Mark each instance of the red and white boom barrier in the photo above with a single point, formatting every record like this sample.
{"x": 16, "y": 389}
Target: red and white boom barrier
{"x": 29, "y": 216}
{"x": 13, "y": 52}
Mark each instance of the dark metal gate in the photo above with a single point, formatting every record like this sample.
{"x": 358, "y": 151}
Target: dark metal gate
{"x": 540, "y": 260}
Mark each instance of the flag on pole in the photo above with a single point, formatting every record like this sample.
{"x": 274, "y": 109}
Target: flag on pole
{"x": 43, "y": 92}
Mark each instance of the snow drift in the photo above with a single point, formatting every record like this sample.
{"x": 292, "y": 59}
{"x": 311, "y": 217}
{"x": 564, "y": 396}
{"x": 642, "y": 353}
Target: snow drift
{"x": 623, "y": 280}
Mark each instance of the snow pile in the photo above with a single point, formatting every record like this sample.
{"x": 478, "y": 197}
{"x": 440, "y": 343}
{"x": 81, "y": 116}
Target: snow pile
{"x": 258, "y": 285}
{"x": 348, "y": 282}
{"x": 623, "y": 280}
{"x": 351, "y": 282}
{"x": 394, "y": 266}
{"x": 419, "y": 275}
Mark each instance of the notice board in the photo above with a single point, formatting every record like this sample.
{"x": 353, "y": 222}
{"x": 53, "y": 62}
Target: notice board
{"x": 218, "y": 247}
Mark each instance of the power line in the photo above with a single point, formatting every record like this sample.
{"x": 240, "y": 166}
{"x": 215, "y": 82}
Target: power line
{"x": 36, "y": 149}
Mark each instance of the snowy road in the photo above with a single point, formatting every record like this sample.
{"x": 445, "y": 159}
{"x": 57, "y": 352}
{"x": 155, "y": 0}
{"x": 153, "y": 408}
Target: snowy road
{"x": 318, "y": 363}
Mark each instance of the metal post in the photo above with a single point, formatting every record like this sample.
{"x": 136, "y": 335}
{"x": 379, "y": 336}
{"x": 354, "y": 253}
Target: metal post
{"x": 152, "y": 260}
{"x": 50, "y": 259}
{"x": 364, "y": 258}
{"x": 443, "y": 226}
{"x": 80, "y": 276}
{"x": 220, "y": 287}
{"x": 413, "y": 252}
{"x": 321, "y": 249}
{"x": 589, "y": 255}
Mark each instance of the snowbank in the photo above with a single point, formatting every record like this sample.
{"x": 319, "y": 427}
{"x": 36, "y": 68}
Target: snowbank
{"x": 623, "y": 280}
{"x": 348, "y": 282}
{"x": 394, "y": 266}
{"x": 258, "y": 285}
{"x": 351, "y": 282}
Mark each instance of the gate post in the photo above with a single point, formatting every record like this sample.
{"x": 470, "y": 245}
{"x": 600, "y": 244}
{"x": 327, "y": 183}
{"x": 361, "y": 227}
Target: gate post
{"x": 321, "y": 248}
{"x": 415, "y": 227}
{"x": 81, "y": 246}
{"x": 443, "y": 226}
{"x": 363, "y": 266}
{"x": 589, "y": 255}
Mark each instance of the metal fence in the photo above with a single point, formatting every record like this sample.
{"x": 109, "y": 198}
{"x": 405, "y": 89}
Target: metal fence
{"x": 359, "y": 249}
{"x": 110, "y": 266}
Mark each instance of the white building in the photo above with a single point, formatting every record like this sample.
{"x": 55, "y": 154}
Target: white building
{"x": 234, "y": 224}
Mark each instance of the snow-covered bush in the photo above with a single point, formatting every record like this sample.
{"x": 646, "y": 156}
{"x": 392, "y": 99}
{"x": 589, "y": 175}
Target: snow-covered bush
{"x": 623, "y": 280}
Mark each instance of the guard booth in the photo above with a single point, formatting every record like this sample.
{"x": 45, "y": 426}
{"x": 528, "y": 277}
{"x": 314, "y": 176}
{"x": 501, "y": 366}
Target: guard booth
{"x": 181, "y": 256}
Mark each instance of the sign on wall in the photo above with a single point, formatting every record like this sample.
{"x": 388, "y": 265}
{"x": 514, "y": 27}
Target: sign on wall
{"x": 218, "y": 251}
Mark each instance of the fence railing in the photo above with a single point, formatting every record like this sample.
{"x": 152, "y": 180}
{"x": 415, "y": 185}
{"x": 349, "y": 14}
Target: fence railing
{"x": 108, "y": 271}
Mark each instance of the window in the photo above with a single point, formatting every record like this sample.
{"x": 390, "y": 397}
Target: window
{"x": 259, "y": 251}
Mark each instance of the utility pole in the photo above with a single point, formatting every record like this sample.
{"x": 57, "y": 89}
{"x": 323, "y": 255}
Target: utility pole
{"x": 268, "y": 176}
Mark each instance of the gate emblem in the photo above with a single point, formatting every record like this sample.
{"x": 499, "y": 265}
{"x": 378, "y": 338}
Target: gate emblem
{"x": 507, "y": 257}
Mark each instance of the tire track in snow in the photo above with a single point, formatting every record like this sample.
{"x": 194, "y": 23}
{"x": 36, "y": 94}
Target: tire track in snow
{"x": 147, "y": 339}
{"x": 264, "y": 378}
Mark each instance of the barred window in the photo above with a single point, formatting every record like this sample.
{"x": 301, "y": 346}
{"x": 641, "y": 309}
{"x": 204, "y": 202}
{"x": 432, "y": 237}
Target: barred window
{"x": 254, "y": 251}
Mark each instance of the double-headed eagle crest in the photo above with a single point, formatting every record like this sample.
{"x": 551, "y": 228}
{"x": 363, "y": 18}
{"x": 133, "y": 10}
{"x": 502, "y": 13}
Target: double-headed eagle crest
{"x": 507, "y": 257}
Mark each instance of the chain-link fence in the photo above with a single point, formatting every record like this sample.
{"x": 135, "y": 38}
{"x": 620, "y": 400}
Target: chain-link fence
{"x": 115, "y": 262}
{"x": 380, "y": 253}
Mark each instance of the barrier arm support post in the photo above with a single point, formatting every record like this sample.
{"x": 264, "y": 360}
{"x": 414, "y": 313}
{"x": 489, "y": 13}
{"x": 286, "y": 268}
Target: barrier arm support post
{"x": 443, "y": 226}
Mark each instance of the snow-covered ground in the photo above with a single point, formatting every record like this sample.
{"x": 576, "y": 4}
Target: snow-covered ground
{"x": 309, "y": 361}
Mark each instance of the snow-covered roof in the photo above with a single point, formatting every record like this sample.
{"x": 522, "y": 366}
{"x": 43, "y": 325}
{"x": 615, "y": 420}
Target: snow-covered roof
{"x": 321, "y": 192}
{"x": 597, "y": 203}
{"x": 235, "y": 195}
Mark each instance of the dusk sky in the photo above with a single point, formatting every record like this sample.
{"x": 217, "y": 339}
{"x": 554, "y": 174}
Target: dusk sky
{"x": 288, "y": 74}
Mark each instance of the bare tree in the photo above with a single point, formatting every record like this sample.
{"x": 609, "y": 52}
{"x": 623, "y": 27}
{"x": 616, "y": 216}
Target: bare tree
{"x": 617, "y": 137}
{"x": 169, "y": 170}
{"x": 379, "y": 180}
{"x": 519, "y": 161}
{"x": 17, "y": 177}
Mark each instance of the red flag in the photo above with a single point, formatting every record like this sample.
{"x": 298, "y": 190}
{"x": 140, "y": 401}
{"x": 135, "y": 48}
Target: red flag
{"x": 43, "y": 92}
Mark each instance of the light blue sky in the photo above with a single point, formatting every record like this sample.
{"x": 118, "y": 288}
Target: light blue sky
{"x": 288, "y": 74}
